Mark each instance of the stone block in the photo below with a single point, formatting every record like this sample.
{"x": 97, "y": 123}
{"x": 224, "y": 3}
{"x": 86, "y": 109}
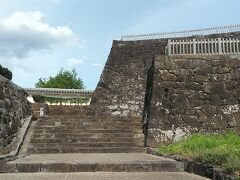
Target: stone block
{"x": 199, "y": 169}
{"x": 28, "y": 168}
{"x": 235, "y": 74}
{"x": 215, "y": 63}
{"x": 215, "y": 87}
{"x": 192, "y": 121}
{"x": 180, "y": 101}
{"x": 216, "y": 123}
{"x": 230, "y": 100}
{"x": 168, "y": 167}
{"x": 199, "y": 78}
{"x": 201, "y": 96}
{"x": 215, "y": 99}
{"x": 203, "y": 71}
{"x": 110, "y": 167}
{"x": 7, "y": 168}
{"x": 195, "y": 63}
{"x": 232, "y": 63}
{"x": 196, "y": 102}
{"x": 194, "y": 86}
{"x": 65, "y": 167}
{"x": 137, "y": 167}
{"x": 181, "y": 63}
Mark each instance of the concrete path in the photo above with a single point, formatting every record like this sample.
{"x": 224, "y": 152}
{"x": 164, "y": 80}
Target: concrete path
{"x": 93, "y": 162}
{"x": 84, "y": 158}
{"x": 103, "y": 176}
{"x": 100, "y": 166}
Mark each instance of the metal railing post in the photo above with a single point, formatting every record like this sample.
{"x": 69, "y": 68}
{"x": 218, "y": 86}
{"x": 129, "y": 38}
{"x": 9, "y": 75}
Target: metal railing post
{"x": 237, "y": 46}
{"x": 219, "y": 46}
{"x": 169, "y": 47}
{"x": 194, "y": 46}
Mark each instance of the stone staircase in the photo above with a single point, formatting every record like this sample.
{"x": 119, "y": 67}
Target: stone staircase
{"x": 86, "y": 134}
{"x": 88, "y": 144}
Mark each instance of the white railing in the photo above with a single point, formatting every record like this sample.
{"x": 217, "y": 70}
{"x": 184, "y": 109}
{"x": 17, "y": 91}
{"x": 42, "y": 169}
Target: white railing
{"x": 58, "y": 90}
{"x": 61, "y": 93}
{"x": 187, "y": 33}
{"x": 216, "y": 46}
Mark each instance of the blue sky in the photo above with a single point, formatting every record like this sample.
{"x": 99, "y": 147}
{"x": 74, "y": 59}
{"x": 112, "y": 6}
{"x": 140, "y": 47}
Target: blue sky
{"x": 39, "y": 37}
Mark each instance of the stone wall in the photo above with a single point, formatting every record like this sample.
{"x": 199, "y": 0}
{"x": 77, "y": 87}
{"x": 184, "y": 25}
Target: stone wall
{"x": 122, "y": 86}
{"x": 174, "y": 96}
{"x": 193, "y": 94}
{"x": 14, "y": 107}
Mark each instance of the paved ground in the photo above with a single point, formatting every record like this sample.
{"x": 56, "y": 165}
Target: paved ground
{"x": 90, "y": 158}
{"x": 102, "y": 176}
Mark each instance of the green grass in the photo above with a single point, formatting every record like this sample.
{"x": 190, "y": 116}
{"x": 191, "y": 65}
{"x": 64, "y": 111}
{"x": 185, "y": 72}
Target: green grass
{"x": 217, "y": 150}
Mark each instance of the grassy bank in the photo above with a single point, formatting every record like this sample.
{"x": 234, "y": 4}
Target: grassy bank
{"x": 217, "y": 150}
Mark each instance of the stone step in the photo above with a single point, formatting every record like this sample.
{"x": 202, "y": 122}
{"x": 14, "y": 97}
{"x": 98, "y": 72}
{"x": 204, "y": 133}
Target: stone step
{"x": 54, "y": 131}
{"x": 86, "y": 130}
{"x": 105, "y": 162}
{"x": 88, "y": 124}
{"x": 101, "y": 176}
{"x": 87, "y": 135}
{"x": 89, "y": 118}
{"x": 58, "y": 124}
{"x": 73, "y": 145}
{"x": 84, "y": 123}
{"x": 63, "y": 140}
{"x": 54, "y": 123}
{"x": 43, "y": 150}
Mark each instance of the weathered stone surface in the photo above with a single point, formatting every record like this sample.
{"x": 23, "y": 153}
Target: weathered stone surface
{"x": 215, "y": 87}
{"x": 205, "y": 100}
{"x": 14, "y": 107}
{"x": 122, "y": 86}
{"x": 194, "y": 93}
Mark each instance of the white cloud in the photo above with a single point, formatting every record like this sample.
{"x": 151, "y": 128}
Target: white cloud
{"x": 74, "y": 61}
{"x": 24, "y": 32}
{"x": 97, "y": 64}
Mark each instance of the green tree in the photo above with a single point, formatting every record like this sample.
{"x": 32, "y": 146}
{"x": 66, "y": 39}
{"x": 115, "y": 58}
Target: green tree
{"x": 64, "y": 79}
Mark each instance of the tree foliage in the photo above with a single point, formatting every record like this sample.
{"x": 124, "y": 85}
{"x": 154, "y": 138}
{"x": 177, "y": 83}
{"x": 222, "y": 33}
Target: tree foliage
{"x": 64, "y": 79}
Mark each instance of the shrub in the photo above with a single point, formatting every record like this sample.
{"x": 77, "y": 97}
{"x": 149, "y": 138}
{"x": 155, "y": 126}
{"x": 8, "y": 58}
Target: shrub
{"x": 38, "y": 98}
{"x": 5, "y": 72}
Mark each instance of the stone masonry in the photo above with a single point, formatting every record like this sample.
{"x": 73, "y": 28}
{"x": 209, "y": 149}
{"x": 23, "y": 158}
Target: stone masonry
{"x": 122, "y": 86}
{"x": 14, "y": 107}
{"x": 174, "y": 96}
{"x": 193, "y": 94}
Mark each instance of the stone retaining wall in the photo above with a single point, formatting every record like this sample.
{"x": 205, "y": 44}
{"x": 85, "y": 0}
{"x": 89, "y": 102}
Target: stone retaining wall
{"x": 14, "y": 108}
{"x": 174, "y": 96}
{"x": 122, "y": 86}
{"x": 193, "y": 94}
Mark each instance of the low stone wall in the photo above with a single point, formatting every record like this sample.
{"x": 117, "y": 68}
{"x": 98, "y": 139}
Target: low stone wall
{"x": 198, "y": 168}
{"x": 14, "y": 108}
{"x": 193, "y": 94}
